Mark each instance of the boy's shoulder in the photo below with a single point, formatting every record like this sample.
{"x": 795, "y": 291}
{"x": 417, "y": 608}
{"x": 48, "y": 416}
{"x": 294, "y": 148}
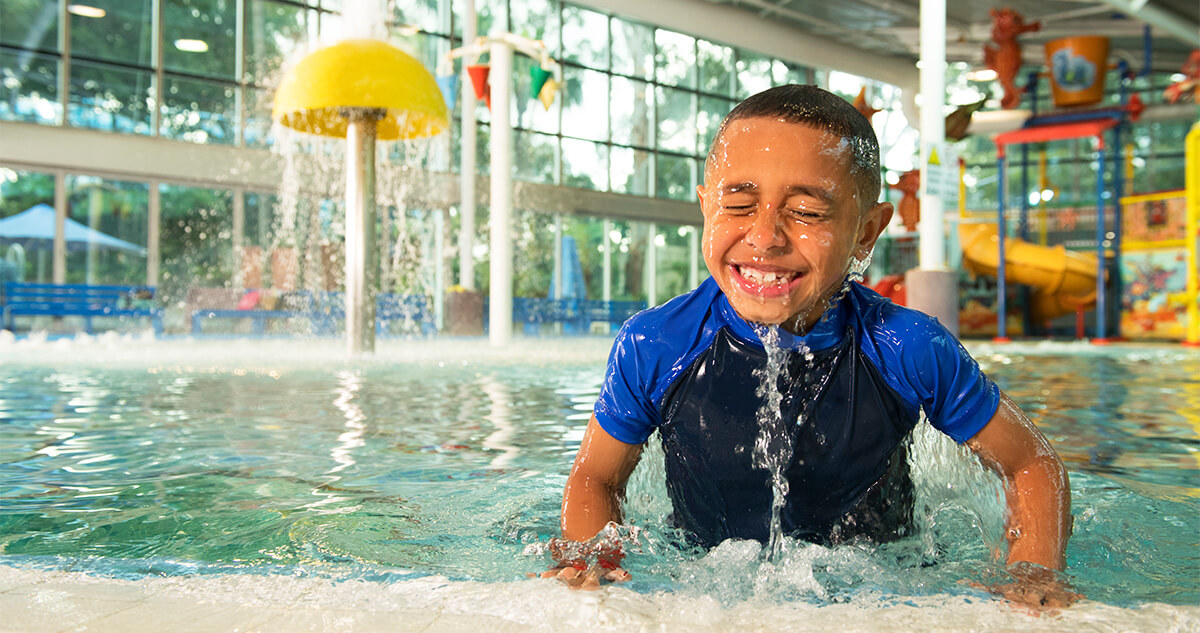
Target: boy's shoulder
{"x": 891, "y": 325}
{"x": 685, "y": 313}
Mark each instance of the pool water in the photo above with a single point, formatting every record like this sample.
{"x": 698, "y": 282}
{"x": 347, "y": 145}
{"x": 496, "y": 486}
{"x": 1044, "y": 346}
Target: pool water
{"x": 436, "y": 469}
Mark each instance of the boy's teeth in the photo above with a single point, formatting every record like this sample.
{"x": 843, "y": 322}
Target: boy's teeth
{"x": 763, "y": 277}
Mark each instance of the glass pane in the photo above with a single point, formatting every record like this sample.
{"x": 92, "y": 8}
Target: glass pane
{"x": 796, "y": 74}
{"x": 585, "y": 165}
{"x": 630, "y": 171}
{"x": 588, "y": 234}
{"x": 716, "y": 68}
{"x": 29, "y": 24}
{"x": 587, "y": 34}
{"x": 675, "y": 177}
{"x": 533, "y": 18}
{"x": 632, "y": 49}
{"x": 110, "y": 209}
{"x": 430, "y": 16}
{"x": 258, "y": 227}
{"x": 195, "y": 240}
{"x": 754, "y": 74}
{"x": 845, "y": 85}
{"x": 29, "y": 88}
{"x": 110, "y": 98}
{"x": 676, "y": 120}
{"x": 531, "y": 114}
{"x": 488, "y": 14}
{"x": 122, "y": 35}
{"x": 533, "y": 253}
{"x": 19, "y": 191}
{"x": 675, "y": 59}
{"x": 258, "y": 106}
{"x": 585, "y": 104}
{"x": 275, "y": 32}
{"x": 535, "y": 157}
{"x": 632, "y": 104}
{"x": 673, "y": 260}
{"x": 629, "y": 241}
{"x": 199, "y": 111}
{"x": 198, "y": 37}
{"x": 712, "y": 112}
{"x": 423, "y": 47}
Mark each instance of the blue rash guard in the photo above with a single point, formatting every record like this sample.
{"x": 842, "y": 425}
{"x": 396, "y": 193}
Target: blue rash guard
{"x": 692, "y": 369}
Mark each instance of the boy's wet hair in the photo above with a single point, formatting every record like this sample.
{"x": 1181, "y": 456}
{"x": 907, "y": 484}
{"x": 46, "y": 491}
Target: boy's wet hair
{"x": 822, "y": 110}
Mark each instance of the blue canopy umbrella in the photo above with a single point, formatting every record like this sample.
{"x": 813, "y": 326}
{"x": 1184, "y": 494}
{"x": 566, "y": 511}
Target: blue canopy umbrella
{"x": 33, "y": 229}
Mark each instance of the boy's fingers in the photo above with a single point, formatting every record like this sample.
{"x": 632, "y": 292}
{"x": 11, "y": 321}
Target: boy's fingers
{"x": 617, "y": 575}
{"x": 587, "y": 580}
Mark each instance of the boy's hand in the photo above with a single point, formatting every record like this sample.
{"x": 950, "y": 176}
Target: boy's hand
{"x": 584, "y": 565}
{"x": 587, "y": 579}
{"x": 1036, "y": 586}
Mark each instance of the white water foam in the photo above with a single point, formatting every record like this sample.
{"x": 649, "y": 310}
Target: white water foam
{"x": 544, "y": 605}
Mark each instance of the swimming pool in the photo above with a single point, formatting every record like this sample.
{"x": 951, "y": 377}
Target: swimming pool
{"x": 422, "y": 479}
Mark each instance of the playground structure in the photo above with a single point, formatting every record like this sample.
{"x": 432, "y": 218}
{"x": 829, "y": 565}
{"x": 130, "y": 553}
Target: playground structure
{"x": 1057, "y": 281}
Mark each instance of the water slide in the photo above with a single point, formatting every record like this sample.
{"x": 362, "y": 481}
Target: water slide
{"x": 1065, "y": 280}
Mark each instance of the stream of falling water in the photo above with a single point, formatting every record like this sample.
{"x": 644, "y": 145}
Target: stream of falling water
{"x": 773, "y": 445}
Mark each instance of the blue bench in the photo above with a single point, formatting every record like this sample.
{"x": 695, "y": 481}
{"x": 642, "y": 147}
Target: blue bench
{"x": 576, "y": 315}
{"x": 410, "y": 312}
{"x": 82, "y": 300}
{"x": 259, "y": 317}
{"x": 326, "y": 312}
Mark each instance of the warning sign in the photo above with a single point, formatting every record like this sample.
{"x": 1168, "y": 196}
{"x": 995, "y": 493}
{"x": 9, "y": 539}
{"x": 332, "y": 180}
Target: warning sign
{"x": 940, "y": 172}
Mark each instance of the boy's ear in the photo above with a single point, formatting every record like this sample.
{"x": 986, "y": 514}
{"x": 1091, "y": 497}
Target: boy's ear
{"x": 871, "y": 226}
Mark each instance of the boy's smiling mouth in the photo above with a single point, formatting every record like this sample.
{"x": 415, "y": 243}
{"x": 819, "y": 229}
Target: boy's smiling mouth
{"x": 765, "y": 281}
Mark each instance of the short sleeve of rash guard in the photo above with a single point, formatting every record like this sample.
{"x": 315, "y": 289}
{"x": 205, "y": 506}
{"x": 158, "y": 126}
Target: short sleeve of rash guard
{"x": 958, "y": 398}
{"x": 625, "y": 408}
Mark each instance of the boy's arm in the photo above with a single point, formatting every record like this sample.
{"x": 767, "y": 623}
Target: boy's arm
{"x": 592, "y": 497}
{"x": 591, "y": 500}
{"x": 1038, "y": 493}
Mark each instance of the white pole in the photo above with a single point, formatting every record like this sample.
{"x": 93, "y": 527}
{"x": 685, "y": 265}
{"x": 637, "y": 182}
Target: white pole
{"x": 362, "y": 261}
{"x": 932, "y": 288}
{"x": 466, "y": 235}
{"x": 501, "y": 274}
{"x": 607, "y": 271}
{"x": 933, "y": 129}
{"x": 153, "y": 221}
{"x": 58, "y": 265}
{"x": 439, "y": 267}
{"x": 239, "y": 240}
{"x": 652, "y": 268}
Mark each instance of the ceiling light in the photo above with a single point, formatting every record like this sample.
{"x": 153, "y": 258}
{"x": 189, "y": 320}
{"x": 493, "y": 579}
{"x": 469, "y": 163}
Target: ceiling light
{"x": 85, "y": 11}
{"x": 192, "y": 46}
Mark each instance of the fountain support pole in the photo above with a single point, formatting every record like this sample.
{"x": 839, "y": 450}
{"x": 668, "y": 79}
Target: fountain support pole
{"x": 500, "y": 311}
{"x": 362, "y": 247}
{"x": 466, "y": 236}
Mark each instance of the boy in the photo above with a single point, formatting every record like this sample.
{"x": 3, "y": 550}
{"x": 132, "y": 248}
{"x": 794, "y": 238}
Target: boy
{"x": 789, "y": 204}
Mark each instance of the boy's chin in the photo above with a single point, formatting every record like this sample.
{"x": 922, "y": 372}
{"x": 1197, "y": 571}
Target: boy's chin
{"x": 781, "y": 318}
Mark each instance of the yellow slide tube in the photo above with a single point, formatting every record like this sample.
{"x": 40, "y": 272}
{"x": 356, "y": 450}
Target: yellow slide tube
{"x": 1066, "y": 280}
{"x": 1192, "y": 164}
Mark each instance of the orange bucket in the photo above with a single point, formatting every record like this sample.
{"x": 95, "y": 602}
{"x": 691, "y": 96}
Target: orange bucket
{"x": 1078, "y": 66}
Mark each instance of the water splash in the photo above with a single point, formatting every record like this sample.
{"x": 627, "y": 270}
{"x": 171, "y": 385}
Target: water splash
{"x": 773, "y": 447}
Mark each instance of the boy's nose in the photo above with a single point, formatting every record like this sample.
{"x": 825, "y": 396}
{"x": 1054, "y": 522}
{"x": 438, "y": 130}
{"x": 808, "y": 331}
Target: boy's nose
{"x": 766, "y": 230}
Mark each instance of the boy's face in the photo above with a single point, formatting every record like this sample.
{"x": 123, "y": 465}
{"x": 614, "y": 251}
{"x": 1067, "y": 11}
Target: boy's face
{"x": 782, "y": 220}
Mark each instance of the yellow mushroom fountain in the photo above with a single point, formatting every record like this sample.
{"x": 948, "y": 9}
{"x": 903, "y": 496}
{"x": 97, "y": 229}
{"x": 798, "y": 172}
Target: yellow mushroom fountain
{"x": 361, "y": 90}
